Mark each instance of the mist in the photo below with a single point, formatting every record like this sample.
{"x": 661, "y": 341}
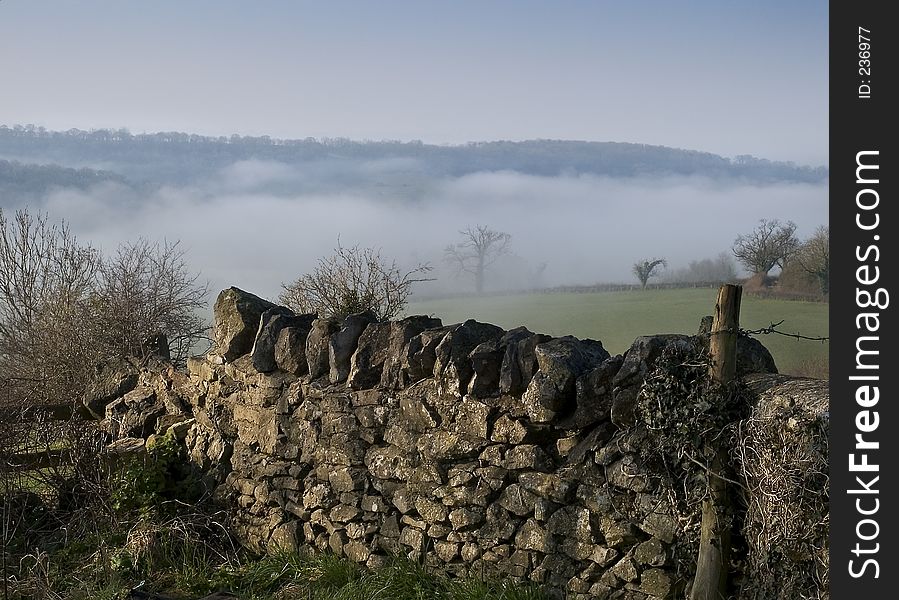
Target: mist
{"x": 249, "y": 226}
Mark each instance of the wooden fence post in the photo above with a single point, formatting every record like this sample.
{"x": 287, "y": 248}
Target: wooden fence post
{"x": 710, "y": 582}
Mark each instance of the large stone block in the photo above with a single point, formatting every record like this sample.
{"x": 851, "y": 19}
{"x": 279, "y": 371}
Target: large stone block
{"x": 236, "y": 316}
{"x": 452, "y": 368}
{"x": 342, "y": 344}
{"x": 317, "y": 347}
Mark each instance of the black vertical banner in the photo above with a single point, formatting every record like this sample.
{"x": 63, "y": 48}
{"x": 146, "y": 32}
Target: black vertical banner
{"x": 864, "y": 372}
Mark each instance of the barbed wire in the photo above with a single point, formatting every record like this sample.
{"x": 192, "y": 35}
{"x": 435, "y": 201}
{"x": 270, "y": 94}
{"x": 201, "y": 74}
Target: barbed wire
{"x": 772, "y": 328}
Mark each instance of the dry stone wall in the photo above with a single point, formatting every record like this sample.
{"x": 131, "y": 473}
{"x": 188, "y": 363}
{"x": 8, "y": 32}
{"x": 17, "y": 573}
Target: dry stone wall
{"x": 483, "y": 452}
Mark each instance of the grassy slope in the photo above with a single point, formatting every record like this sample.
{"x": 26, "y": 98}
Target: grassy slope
{"x": 616, "y": 318}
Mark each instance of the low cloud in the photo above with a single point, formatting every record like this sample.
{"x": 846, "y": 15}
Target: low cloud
{"x": 263, "y": 223}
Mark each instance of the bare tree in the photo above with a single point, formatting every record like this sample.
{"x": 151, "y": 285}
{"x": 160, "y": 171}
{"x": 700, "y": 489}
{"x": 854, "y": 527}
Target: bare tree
{"x": 353, "y": 280}
{"x": 63, "y": 308}
{"x": 814, "y": 257}
{"x": 146, "y": 289}
{"x": 46, "y": 277}
{"x": 480, "y": 248}
{"x": 767, "y": 246}
{"x": 646, "y": 268}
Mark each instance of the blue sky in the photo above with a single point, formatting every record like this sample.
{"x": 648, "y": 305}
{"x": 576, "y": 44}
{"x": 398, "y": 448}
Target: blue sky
{"x": 727, "y": 77}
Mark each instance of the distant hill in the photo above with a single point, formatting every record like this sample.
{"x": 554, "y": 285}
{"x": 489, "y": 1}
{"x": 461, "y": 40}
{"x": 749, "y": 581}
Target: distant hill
{"x": 26, "y": 180}
{"x": 173, "y": 158}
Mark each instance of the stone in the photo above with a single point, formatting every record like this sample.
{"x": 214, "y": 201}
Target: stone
{"x": 547, "y": 485}
{"x": 317, "y": 343}
{"x": 486, "y": 359}
{"x": 498, "y": 526}
{"x": 318, "y": 496}
{"x": 343, "y": 513}
{"x": 374, "y": 504}
{"x": 357, "y": 531}
{"x": 593, "y": 395}
{"x": 376, "y": 562}
{"x": 201, "y": 369}
{"x": 236, "y": 316}
{"x": 290, "y": 349}
{"x": 466, "y": 518}
{"x": 527, "y": 456}
{"x": 400, "y": 437}
{"x": 336, "y": 542}
{"x": 126, "y": 447}
{"x": 472, "y": 418}
{"x": 356, "y": 551}
{"x": 178, "y": 430}
{"x": 413, "y": 538}
{"x": 662, "y": 526}
{"x": 430, "y": 511}
{"x": 627, "y": 474}
{"x": 464, "y": 495}
{"x": 624, "y": 407}
{"x": 257, "y": 427}
{"x": 617, "y": 533}
{"x": 575, "y": 549}
{"x": 441, "y": 445}
{"x": 508, "y": 430}
{"x": 446, "y": 551}
{"x": 572, "y": 522}
{"x": 415, "y": 415}
{"x": 641, "y": 357}
{"x": 471, "y": 552}
{"x": 420, "y": 355}
{"x": 271, "y": 322}
{"x": 655, "y": 583}
{"x": 602, "y": 591}
{"x": 452, "y": 366}
{"x": 413, "y": 522}
{"x": 342, "y": 344}
{"x": 651, "y": 552}
{"x": 287, "y": 537}
{"x": 565, "y": 445}
{"x": 493, "y": 476}
{"x": 560, "y": 362}
{"x": 133, "y": 415}
{"x": 603, "y": 556}
{"x": 347, "y": 479}
{"x": 403, "y": 499}
{"x": 401, "y": 333}
{"x": 532, "y": 536}
{"x": 519, "y": 360}
{"x": 110, "y": 380}
{"x": 367, "y": 362}
{"x": 625, "y": 569}
{"x": 753, "y": 357}
{"x": 576, "y": 585}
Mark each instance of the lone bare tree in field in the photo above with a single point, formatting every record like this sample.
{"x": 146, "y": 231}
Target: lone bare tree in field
{"x": 480, "y": 248}
{"x": 646, "y": 268}
{"x": 353, "y": 280}
{"x": 767, "y": 246}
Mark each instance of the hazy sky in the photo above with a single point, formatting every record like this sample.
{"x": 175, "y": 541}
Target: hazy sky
{"x": 725, "y": 76}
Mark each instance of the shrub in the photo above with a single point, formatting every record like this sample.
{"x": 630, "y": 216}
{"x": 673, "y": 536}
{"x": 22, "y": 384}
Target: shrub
{"x": 353, "y": 280}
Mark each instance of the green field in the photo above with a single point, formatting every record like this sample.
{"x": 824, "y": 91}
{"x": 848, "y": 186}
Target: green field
{"x": 616, "y": 318}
